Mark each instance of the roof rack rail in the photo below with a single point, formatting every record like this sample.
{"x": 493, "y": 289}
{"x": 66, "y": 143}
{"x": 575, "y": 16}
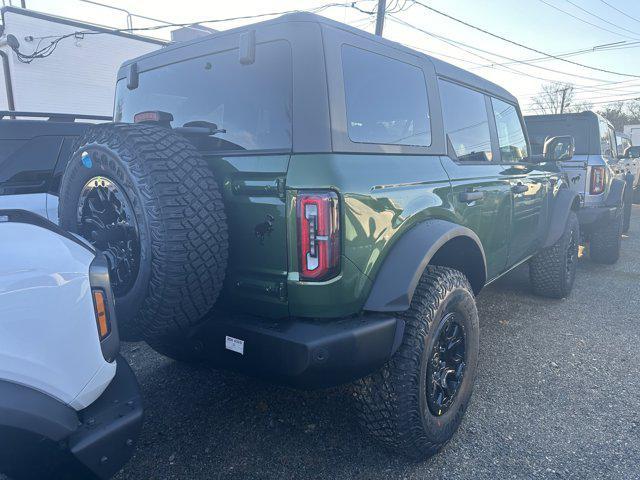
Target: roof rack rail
{"x": 52, "y": 117}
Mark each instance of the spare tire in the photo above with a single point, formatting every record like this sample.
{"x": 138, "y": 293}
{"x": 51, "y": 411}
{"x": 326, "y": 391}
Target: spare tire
{"x": 144, "y": 196}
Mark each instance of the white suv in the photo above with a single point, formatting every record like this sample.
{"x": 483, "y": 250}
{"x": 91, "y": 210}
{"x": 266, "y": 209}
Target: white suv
{"x": 69, "y": 404}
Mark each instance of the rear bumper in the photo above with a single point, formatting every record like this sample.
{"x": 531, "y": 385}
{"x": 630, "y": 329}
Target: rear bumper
{"x": 300, "y": 352}
{"x": 48, "y": 439}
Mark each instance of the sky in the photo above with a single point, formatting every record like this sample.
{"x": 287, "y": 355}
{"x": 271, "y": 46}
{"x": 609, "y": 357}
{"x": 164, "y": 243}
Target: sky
{"x": 607, "y": 30}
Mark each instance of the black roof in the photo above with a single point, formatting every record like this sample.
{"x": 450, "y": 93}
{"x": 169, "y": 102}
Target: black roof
{"x": 442, "y": 68}
{"x": 587, "y": 114}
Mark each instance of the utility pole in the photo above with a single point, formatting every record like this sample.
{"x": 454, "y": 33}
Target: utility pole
{"x": 382, "y": 5}
{"x": 564, "y": 95}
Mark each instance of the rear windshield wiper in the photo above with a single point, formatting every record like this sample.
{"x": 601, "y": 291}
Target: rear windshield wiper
{"x": 200, "y": 127}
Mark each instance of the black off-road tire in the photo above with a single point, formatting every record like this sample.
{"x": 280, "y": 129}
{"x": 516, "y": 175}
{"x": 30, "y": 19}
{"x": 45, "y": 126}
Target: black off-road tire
{"x": 392, "y": 403}
{"x": 605, "y": 242}
{"x": 553, "y": 270}
{"x": 182, "y": 228}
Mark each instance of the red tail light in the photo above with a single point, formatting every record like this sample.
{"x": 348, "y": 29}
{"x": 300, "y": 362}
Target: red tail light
{"x": 154, "y": 116}
{"x": 598, "y": 175}
{"x": 318, "y": 235}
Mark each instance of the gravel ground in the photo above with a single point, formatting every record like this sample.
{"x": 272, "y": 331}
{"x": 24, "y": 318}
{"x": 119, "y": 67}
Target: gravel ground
{"x": 557, "y": 396}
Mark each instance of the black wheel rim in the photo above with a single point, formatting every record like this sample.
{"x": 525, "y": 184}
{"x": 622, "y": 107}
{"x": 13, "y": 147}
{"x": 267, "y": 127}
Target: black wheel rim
{"x": 447, "y": 365}
{"x": 106, "y": 219}
{"x": 572, "y": 254}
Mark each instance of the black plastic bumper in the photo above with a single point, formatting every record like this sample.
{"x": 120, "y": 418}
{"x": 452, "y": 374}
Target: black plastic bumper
{"x": 110, "y": 426}
{"x": 301, "y": 353}
{"x": 44, "y": 438}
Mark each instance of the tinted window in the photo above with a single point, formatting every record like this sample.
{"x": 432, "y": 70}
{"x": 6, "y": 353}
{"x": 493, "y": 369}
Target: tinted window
{"x": 632, "y": 152}
{"x": 614, "y": 144}
{"x": 513, "y": 145}
{"x": 386, "y": 99}
{"x": 539, "y": 130}
{"x": 606, "y": 148}
{"x": 465, "y": 119}
{"x": 252, "y": 102}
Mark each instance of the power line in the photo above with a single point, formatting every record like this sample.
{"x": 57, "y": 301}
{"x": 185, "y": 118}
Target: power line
{"x": 620, "y": 11}
{"x": 576, "y": 99}
{"x": 599, "y": 18}
{"x": 577, "y": 87}
{"x": 586, "y": 21}
{"x": 597, "y": 49}
{"x": 456, "y": 44}
{"x": 612, "y": 98}
{"x": 520, "y": 44}
{"x": 48, "y": 49}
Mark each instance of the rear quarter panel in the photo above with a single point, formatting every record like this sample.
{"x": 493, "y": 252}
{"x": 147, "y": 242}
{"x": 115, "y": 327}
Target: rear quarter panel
{"x": 381, "y": 196}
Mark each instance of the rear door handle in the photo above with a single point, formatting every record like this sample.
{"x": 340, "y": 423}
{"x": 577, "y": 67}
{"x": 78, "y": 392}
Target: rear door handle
{"x": 520, "y": 188}
{"x": 468, "y": 197}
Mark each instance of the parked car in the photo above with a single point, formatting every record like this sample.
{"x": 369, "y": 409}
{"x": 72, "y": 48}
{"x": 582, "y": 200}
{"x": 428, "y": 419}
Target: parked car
{"x": 33, "y": 156}
{"x": 69, "y": 405}
{"x": 594, "y": 174}
{"x": 623, "y": 141}
{"x": 630, "y": 160}
{"x": 300, "y": 200}
{"x": 633, "y": 131}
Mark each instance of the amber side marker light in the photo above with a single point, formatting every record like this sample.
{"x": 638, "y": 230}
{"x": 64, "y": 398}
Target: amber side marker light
{"x": 102, "y": 318}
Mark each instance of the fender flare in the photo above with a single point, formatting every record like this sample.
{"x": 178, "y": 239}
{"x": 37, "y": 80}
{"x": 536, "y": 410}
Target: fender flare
{"x": 29, "y": 410}
{"x": 398, "y": 277}
{"x": 564, "y": 202}
{"x": 616, "y": 193}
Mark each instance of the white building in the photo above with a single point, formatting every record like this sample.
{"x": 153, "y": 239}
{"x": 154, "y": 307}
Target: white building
{"x": 634, "y": 132}
{"x": 78, "y": 77}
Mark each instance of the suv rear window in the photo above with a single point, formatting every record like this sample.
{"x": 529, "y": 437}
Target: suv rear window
{"x": 540, "y": 129}
{"x": 386, "y": 99}
{"x": 252, "y": 102}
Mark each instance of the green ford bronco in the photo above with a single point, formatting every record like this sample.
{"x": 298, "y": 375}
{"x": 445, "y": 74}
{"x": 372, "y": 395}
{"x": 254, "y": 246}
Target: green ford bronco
{"x": 303, "y": 201}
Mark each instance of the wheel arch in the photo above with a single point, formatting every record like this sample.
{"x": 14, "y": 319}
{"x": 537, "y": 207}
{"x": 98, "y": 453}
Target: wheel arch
{"x": 433, "y": 242}
{"x": 565, "y": 201}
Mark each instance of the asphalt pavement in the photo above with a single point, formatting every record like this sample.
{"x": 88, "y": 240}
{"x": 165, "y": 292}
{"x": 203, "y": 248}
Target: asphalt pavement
{"x": 557, "y": 396}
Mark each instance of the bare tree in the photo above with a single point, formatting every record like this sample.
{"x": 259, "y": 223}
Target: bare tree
{"x": 558, "y": 97}
{"x": 553, "y": 98}
{"x": 622, "y": 113}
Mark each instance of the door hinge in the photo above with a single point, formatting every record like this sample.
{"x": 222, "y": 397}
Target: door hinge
{"x": 280, "y": 185}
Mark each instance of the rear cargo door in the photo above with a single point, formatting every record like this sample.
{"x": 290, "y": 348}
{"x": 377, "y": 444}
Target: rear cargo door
{"x": 234, "y": 103}
{"x": 254, "y": 198}
{"x": 576, "y": 171}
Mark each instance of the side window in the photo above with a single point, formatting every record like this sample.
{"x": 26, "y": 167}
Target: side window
{"x": 614, "y": 143}
{"x": 464, "y": 113}
{"x": 386, "y": 99}
{"x": 605, "y": 139}
{"x": 513, "y": 145}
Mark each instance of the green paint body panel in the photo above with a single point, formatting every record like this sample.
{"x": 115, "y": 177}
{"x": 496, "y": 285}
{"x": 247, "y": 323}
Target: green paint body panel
{"x": 253, "y": 193}
{"x": 381, "y": 197}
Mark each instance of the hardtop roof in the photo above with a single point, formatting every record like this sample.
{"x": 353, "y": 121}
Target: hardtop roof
{"x": 586, "y": 115}
{"x": 442, "y": 68}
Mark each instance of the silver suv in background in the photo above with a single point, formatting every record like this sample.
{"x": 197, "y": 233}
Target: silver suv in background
{"x": 594, "y": 173}
{"x": 630, "y": 161}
